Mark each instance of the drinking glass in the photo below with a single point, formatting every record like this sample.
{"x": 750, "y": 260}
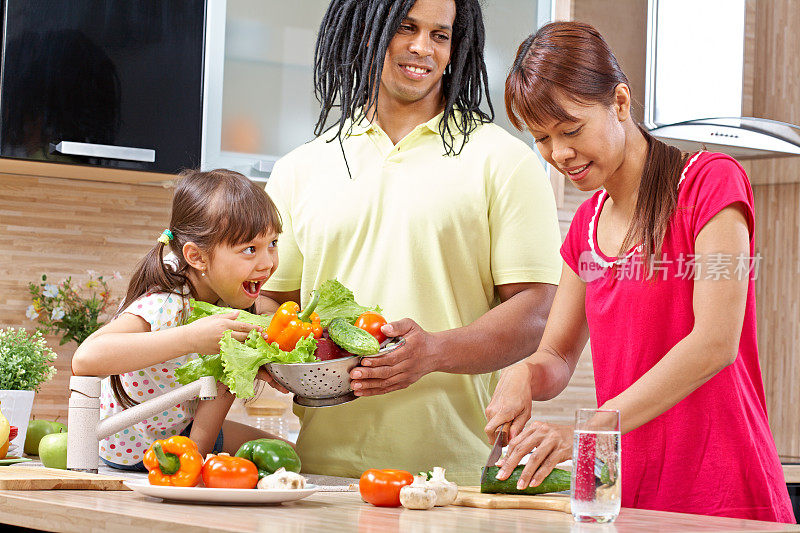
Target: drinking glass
{"x": 595, "y": 484}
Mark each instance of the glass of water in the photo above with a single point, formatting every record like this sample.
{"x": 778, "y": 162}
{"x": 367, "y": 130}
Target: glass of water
{"x": 595, "y": 485}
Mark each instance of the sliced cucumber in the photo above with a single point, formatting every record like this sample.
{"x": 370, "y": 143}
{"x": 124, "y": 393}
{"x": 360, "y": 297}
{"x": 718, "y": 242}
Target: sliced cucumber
{"x": 556, "y": 481}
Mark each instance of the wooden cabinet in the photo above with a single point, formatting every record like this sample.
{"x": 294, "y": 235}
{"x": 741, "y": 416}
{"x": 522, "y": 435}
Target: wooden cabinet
{"x": 103, "y": 83}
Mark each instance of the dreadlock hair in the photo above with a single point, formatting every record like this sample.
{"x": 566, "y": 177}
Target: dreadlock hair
{"x": 348, "y": 63}
{"x": 209, "y": 209}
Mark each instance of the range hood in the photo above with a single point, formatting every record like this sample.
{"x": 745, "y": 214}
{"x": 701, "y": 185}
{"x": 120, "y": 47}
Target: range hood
{"x": 693, "y": 87}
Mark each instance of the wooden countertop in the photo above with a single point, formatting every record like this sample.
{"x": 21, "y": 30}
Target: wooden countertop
{"x": 67, "y": 510}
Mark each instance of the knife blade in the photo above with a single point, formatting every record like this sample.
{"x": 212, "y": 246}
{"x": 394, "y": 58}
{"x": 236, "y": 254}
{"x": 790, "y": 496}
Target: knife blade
{"x": 500, "y": 440}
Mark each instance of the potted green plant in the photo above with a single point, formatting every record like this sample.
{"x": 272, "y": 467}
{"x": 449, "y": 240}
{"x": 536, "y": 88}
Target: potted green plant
{"x": 25, "y": 363}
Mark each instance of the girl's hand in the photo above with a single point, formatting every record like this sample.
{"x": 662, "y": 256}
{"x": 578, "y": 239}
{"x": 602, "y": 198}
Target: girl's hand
{"x": 511, "y": 402}
{"x": 553, "y": 444}
{"x": 263, "y": 375}
{"x": 203, "y": 335}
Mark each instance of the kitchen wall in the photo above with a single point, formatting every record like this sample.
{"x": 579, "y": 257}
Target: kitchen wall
{"x": 62, "y": 227}
{"x": 772, "y": 68}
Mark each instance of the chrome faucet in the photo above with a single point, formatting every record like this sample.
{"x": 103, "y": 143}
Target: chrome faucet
{"x": 85, "y": 429}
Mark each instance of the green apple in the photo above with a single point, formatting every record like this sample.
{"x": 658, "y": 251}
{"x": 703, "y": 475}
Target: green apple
{"x": 38, "y": 429}
{"x": 53, "y": 450}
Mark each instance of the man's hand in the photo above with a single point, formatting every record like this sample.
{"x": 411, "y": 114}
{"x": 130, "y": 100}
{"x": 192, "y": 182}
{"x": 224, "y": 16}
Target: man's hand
{"x": 400, "y": 368}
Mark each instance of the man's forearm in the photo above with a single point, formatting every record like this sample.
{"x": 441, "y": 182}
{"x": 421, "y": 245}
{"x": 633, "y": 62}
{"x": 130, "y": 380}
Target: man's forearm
{"x": 501, "y": 337}
{"x": 268, "y": 301}
{"x": 266, "y": 305}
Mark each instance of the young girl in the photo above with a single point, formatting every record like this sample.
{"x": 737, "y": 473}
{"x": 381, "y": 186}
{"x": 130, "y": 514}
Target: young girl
{"x": 222, "y": 244}
{"x": 657, "y": 274}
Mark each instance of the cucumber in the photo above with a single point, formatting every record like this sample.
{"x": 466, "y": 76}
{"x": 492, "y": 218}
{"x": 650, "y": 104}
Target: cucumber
{"x": 352, "y": 339}
{"x": 556, "y": 481}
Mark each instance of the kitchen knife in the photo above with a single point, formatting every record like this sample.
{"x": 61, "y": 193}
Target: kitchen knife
{"x": 500, "y": 440}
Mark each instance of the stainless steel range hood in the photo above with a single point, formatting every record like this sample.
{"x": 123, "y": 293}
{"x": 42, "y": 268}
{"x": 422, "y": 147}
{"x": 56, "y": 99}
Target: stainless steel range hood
{"x": 693, "y": 88}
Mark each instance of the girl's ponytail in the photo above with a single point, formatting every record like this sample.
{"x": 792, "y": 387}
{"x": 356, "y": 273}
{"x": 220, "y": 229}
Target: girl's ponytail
{"x": 152, "y": 273}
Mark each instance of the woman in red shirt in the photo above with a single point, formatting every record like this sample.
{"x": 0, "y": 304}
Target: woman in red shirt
{"x": 659, "y": 272}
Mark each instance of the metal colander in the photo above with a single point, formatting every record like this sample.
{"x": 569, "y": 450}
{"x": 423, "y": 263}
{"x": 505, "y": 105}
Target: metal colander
{"x": 323, "y": 383}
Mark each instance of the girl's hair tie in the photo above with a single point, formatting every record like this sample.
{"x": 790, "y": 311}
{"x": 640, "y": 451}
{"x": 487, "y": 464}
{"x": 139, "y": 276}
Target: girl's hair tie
{"x": 165, "y": 237}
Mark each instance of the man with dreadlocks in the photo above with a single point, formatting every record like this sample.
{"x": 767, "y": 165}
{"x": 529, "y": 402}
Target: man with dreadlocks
{"x": 417, "y": 202}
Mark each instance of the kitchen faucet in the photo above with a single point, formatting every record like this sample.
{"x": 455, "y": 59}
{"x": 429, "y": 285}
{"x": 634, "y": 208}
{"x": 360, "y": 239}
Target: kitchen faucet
{"x": 85, "y": 429}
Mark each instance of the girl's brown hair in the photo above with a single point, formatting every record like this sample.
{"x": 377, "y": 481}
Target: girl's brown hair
{"x": 571, "y": 60}
{"x": 209, "y": 209}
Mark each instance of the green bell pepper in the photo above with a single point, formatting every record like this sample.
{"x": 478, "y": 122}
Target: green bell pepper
{"x": 269, "y": 455}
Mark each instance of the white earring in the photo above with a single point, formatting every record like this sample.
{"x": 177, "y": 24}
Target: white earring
{"x": 203, "y": 273}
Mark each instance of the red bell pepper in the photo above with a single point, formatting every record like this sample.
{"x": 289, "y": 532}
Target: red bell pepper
{"x": 224, "y": 471}
{"x": 382, "y": 487}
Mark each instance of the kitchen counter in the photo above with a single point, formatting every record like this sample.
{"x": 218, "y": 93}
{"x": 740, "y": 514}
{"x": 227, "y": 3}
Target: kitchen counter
{"x": 73, "y": 510}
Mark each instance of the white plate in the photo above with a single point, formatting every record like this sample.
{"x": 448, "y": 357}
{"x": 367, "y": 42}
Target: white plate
{"x": 208, "y": 495}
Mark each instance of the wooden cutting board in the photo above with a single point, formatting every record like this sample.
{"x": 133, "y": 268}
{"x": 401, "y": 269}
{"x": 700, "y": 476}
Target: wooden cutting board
{"x": 40, "y": 478}
{"x": 472, "y": 497}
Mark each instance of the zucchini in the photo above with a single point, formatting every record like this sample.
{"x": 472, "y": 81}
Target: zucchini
{"x": 556, "y": 481}
{"x": 352, "y": 339}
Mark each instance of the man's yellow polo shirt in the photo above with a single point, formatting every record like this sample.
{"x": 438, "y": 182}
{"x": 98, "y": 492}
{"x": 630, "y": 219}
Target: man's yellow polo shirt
{"x": 424, "y": 236}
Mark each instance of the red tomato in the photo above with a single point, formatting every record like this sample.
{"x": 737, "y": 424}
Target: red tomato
{"x": 371, "y": 323}
{"x": 228, "y": 472}
{"x": 382, "y": 487}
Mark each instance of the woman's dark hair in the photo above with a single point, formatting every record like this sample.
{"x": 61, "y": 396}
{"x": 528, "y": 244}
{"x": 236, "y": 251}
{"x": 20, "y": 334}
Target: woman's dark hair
{"x": 348, "y": 63}
{"x": 209, "y": 209}
{"x": 571, "y": 60}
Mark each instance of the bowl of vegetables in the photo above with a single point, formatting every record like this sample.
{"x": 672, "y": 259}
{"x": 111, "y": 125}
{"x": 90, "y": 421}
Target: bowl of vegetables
{"x": 340, "y": 344}
{"x": 310, "y": 352}
{"x": 323, "y": 383}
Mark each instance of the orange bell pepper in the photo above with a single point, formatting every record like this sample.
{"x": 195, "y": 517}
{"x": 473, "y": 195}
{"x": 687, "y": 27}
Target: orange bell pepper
{"x": 382, "y": 487}
{"x": 174, "y": 461}
{"x": 287, "y": 326}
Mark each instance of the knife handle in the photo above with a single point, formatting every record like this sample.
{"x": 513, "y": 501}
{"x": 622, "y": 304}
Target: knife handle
{"x": 502, "y": 434}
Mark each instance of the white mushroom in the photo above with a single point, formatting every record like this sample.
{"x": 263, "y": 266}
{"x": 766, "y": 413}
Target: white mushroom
{"x": 282, "y": 479}
{"x": 446, "y": 491}
{"x": 417, "y": 495}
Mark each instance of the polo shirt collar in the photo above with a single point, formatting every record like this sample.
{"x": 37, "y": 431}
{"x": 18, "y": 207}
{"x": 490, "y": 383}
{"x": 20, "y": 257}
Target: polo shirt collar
{"x": 361, "y": 125}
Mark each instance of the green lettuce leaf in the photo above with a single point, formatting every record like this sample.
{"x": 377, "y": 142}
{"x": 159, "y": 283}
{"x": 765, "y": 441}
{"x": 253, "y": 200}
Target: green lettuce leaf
{"x": 205, "y": 365}
{"x": 237, "y": 363}
{"x": 242, "y": 360}
{"x": 240, "y": 363}
{"x": 204, "y": 309}
{"x": 303, "y": 351}
{"x": 336, "y": 300}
